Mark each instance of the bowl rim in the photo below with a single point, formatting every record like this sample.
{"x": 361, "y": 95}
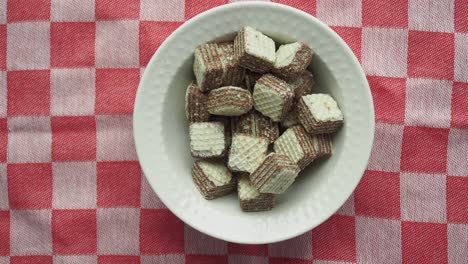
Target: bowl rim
{"x": 336, "y": 38}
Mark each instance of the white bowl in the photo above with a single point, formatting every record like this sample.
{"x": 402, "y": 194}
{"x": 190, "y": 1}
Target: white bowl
{"x": 161, "y": 129}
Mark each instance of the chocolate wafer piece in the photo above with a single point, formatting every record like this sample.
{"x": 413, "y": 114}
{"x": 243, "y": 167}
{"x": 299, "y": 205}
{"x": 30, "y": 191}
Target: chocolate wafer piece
{"x": 297, "y": 145}
{"x": 323, "y": 143}
{"x": 229, "y": 101}
{"x": 254, "y": 50}
{"x": 233, "y": 73}
{"x": 257, "y": 125}
{"x": 195, "y": 104}
{"x": 292, "y": 60}
{"x": 207, "y": 140}
{"x": 246, "y": 152}
{"x": 227, "y": 127}
{"x": 272, "y": 97}
{"x": 319, "y": 114}
{"x": 251, "y": 200}
{"x": 212, "y": 179}
{"x": 291, "y": 119}
{"x": 208, "y": 67}
{"x": 275, "y": 174}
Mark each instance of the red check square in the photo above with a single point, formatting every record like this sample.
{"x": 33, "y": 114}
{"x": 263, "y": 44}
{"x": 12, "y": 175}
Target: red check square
{"x": 459, "y": 105}
{"x": 335, "y": 239}
{"x": 118, "y": 184}
{"x": 389, "y": 98}
{"x": 378, "y": 195}
{"x": 352, "y": 37}
{"x": 116, "y": 90}
{"x": 117, "y": 9}
{"x": 118, "y": 260}
{"x": 198, "y": 259}
{"x": 457, "y": 199}
{"x": 195, "y": 7}
{"x": 431, "y": 55}
{"x": 424, "y": 149}
{"x": 3, "y": 139}
{"x": 385, "y": 13}
{"x": 253, "y": 250}
{"x": 30, "y": 185}
{"x": 152, "y": 35}
{"x": 4, "y": 233}
{"x": 28, "y": 92}
{"x": 424, "y": 242}
{"x": 3, "y": 47}
{"x": 160, "y": 232}
{"x": 72, "y": 44}
{"x": 73, "y": 138}
{"x": 74, "y": 232}
{"x": 309, "y": 6}
{"x": 461, "y": 19}
{"x": 31, "y": 260}
{"x": 289, "y": 261}
{"x": 24, "y": 10}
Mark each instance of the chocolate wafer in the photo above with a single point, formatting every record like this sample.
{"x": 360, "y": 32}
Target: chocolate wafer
{"x": 195, "y": 104}
{"x": 323, "y": 143}
{"x": 292, "y": 60}
{"x": 207, "y": 140}
{"x": 233, "y": 73}
{"x": 272, "y": 97}
{"x": 212, "y": 179}
{"x": 257, "y": 125}
{"x": 254, "y": 50}
{"x": 208, "y": 67}
{"x": 251, "y": 78}
{"x": 251, "y": 200}
{"x": 275, "y": 174}
{"x": 229, "y": 101}
{"x": 302, "y": 85}
{"x": 297, "y": 145}
{"x": 319, "y": 114}
{"x": 246, "y": 152}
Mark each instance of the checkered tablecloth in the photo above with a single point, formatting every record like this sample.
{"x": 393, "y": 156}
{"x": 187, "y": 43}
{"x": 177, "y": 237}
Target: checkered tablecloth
{"x": 72, "y": 191}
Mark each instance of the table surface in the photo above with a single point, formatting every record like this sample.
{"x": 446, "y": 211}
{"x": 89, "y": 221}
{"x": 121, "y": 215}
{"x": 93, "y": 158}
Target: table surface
{"x": 72, "y": 191}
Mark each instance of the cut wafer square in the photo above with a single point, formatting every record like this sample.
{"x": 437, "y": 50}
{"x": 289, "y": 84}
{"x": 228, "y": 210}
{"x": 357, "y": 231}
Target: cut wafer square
{"x": 251, "y": 200}
{"x": 233, "y": 73}
{"x": 195, "y": 104}
{"x": 319, "y": 114}
{"x": 208, "y": 67}
{"x": 254, "y": 50}
{"x": 323, "y": 144}
{"x": 257, "y": 125}
{"x": 297, "y": 145}
{"x": 246, "y": 152}
{"x": 275, "y": 174}
{"x": 227, "y": 127}
{"x": 272, "y": 97}
{"x": 207, "y": 140}
{"x": 292, "y": 60}
{"x": 229, "y": 101}
{"x": 212, "y": 179}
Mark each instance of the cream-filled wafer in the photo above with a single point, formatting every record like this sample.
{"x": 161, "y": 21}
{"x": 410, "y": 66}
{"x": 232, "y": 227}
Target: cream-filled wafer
{"x": 272, "y": 97}
{"x": 257, "y": 125}
{"x": 251, "y": 200}
{"x": 207, "y": 66}
{"x": 233, "y": 73}
{"x": 207, "y": 140}
{"x": 229, "y": 101}
{"x": 254, "y": 50}
{"x": 212, "y": 179}
{"x": 319, "y": 114}
{"x": 275, "y": 174}
{"x": 302, "y": 85}
{"x": 292, "y": 60}
{"x": 323, "y": 143}
{"x": 251, "y": 78}
{"x": 195, "y": 104}
{"x": 297, "y": 145}
{"x": 246, "y": 152}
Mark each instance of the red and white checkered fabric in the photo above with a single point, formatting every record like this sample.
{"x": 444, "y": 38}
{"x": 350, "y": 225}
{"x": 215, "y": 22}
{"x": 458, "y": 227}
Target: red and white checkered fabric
{"x": 72, "y": 191}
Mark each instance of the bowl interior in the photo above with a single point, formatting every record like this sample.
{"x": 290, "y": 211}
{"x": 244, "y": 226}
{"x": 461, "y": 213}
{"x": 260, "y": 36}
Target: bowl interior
{"x": 161, "y": 129}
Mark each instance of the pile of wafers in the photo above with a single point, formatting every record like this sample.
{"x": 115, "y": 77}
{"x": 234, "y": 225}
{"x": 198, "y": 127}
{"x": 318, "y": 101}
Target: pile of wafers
{"x": 246, "y": 93}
